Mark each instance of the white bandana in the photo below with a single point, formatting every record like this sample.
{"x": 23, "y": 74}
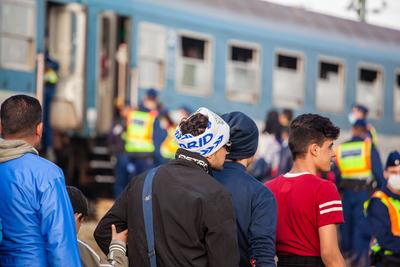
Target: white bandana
{"x": 214, "y": 137}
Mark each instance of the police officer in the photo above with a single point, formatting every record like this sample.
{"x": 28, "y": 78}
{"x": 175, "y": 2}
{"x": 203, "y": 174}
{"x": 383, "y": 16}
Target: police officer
{"x": 358, "y": 167}
{"x": 166, "y": 147}
{"x": 142, "y": 132}
{"x": 360, "y": 112}
{"x": 383, "y": 213}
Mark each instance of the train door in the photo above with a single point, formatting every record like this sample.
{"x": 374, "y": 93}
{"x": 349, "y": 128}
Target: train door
{"x": 66, "y": 39}
{"x": 113, "y": 66}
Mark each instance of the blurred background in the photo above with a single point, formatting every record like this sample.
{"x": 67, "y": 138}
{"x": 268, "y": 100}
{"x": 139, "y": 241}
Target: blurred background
{"x": 93, "y": 62}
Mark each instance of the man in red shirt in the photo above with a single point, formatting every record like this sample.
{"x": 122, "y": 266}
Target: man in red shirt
{"x": 308, "y": 207}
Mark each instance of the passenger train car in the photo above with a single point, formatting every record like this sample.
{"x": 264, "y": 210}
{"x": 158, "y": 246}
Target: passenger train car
{"x": 224, "y": 54}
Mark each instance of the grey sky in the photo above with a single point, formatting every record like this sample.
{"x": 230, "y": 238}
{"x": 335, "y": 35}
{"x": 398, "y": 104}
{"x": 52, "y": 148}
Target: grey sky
{"x": 389, "y": 17}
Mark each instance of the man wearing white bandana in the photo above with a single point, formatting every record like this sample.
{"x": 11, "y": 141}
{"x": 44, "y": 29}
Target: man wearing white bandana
{"x": 193, "y": 215}
{"x": 209, "y": 143}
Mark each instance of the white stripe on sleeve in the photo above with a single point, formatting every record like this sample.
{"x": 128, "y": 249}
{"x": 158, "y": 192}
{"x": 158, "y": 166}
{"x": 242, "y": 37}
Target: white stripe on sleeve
{"x": 330, "y": 210}
{"x": 329, "y": 203}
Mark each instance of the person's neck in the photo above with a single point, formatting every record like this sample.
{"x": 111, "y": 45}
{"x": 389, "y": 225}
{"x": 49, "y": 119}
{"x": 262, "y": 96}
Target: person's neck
{"x": 28, "y": 139}
{"x": 302, "y": 165}
{"x": 244, "y": 162}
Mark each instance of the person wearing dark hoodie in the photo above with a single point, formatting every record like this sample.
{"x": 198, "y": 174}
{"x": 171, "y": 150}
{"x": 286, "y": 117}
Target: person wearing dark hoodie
{"x": 255, "y": 207}
{"x": 36, "y": 213}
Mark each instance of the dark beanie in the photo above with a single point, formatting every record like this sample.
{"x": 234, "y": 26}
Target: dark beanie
{"x": 243, "y": 135}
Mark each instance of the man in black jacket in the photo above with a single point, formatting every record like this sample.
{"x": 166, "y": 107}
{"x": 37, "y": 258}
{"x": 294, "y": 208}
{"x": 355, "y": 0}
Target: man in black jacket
{"x": 193, "y": 216}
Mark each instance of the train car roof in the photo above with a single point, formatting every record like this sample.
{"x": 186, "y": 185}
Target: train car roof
{"x": 292, "y": 20}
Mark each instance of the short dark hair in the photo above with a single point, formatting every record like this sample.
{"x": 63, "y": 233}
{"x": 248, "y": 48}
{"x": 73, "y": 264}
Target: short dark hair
{"x": 20, "y": 114}
{"x": 288, "y": 113}
{"x": 307, "y": 129}
{"x": 272, "y": 125}
{"x": 78, "y": 201}
{"x": 194, "y": 125}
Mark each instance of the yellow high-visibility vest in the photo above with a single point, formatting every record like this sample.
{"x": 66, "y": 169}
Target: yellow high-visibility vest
{"x": 50, "y": 76}
{"x": 393, "y": 206}
{"x": 169, "y": 145}
{"x": 354, "y": 159}
{"x": 139, "y": 134}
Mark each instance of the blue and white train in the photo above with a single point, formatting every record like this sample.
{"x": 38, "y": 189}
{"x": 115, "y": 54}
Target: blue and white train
{"x": 226, "y": 54}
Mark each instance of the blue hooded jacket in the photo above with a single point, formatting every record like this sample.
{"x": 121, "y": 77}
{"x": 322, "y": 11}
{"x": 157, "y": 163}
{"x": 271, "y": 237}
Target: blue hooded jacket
{"x": 256, "y": 215}
{"x": 36, "y": 213}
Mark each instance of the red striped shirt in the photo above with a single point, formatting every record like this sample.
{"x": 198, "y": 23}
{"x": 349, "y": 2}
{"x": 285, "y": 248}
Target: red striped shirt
{"x": 305, "y": 203}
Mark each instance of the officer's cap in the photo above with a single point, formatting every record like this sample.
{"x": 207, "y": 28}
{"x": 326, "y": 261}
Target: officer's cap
{"x": 393, "y": 159}
{"x": 152, "y": 93}
{"x": 361, "y": 108}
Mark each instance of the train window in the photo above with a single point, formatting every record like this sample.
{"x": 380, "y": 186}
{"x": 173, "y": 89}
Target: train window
{"x": 152, "y": 45}
{"x": 288, "y": 80}
{"x": 194, "y": 64}
{"x": 370, "y": 89}
{"x": 287, "y": 62}
{"x": 17, "y": 34}
{"x": 193, "y": 48}
{"x": 330, "y": 85}
{"x": 243, "y": 72}
{"x": 396, "y": 97}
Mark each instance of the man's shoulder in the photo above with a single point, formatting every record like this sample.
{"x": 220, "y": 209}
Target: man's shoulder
{"x": 190, "y": 179}
{"x": 307, "y": 180}
{"x": 242, "y": 179}
{"x": 40, "y": 163}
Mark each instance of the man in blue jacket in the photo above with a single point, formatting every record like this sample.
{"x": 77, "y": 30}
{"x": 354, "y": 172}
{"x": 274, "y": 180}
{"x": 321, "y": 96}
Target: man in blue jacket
{"x": 36, "y": 213}
{"x": 254, "y": 204}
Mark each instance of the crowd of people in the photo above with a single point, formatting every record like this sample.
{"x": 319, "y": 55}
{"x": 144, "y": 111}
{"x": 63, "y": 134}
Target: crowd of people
{"x": 205, "y": 190}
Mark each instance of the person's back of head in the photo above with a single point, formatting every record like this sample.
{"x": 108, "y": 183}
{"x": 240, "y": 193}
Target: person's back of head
{"x": 243, "y": 136}
{"x": 272, "y": 125}
{"x": 360, "y": 111}
{"x": 194, "y": 125}
{"x": 151, "y": 100}
{"x": 360, "y": 129}
{"x": 285, "y": 117}
{"x": 79, "y": 205}
{"x": 205, "y": 133}
{"x": 21, "y": 118}
{"x": 313, "y": 135}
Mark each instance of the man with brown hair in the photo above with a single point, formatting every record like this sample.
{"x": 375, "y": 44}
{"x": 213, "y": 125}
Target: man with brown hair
{"x": 309, "y": 208}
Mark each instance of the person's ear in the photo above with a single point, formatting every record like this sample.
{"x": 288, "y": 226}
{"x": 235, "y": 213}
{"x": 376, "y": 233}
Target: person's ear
{"x": 386, "y": 174}
{"x": 77, "y": 216}
{"x": 39, "y": 129}
{"x": 314, "y": 149}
